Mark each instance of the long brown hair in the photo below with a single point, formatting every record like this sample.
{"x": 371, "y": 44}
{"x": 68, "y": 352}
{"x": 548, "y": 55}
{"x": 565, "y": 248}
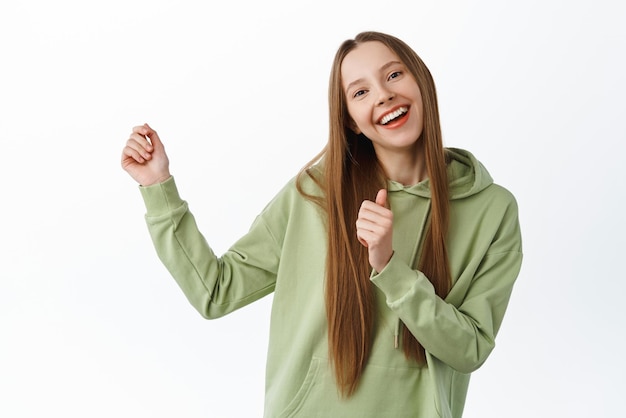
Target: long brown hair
{"x": 351, "y": 174}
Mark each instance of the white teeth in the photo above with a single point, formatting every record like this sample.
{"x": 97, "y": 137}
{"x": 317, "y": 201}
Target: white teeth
{"x": 391, "y": 116}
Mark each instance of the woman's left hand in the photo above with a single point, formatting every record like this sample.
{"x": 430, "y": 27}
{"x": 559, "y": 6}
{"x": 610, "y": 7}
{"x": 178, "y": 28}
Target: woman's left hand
{"x": 374, "y": 229}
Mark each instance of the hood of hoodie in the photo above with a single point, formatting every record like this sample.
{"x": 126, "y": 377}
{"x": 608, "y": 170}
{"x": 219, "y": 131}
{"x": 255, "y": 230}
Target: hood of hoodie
{"x": 466, "y": 175}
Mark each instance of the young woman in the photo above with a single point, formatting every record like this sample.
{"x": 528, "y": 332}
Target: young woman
{"x": 391, "y": 258}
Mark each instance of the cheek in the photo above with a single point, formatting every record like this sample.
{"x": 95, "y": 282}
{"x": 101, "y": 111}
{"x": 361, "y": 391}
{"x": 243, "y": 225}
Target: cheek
{"x": 359, "y": 115}
{"x": 355, "y": 119}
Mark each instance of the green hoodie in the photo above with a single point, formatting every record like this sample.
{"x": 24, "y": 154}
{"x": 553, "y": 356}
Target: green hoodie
{"x": 284, "y": 252}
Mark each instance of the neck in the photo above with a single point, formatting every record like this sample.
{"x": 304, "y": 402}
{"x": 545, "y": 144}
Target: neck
{"x": 406, "y": 167}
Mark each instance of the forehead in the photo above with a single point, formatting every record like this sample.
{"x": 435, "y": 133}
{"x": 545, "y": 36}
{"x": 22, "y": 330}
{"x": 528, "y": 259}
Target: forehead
{"x": 366, "y": 59}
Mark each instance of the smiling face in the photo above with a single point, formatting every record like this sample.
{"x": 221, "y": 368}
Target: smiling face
{"x": 382, "y": 97}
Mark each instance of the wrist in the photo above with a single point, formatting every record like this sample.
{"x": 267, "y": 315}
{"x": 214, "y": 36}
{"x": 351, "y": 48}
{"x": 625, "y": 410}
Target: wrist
{"x": 157, "y": 180}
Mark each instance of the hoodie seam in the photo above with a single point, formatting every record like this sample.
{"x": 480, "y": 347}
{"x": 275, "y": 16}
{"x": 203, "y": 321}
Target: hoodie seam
{"x": 504, "y": 252}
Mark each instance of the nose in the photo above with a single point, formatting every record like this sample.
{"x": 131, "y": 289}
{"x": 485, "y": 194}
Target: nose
{"x": 385, "y": 96}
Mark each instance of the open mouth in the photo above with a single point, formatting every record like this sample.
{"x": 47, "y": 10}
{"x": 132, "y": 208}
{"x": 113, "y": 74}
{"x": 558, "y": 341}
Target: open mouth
{"x": 396, "y": 114}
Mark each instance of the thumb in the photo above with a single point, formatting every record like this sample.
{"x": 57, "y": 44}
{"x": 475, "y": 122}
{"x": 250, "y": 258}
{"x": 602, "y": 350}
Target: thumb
{"x": 154, "y": 137}
{"x": 381, "y": 198}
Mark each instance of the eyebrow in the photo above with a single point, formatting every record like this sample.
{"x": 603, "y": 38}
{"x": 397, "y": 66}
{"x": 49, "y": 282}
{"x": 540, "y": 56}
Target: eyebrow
{"x": 383, "y": 68}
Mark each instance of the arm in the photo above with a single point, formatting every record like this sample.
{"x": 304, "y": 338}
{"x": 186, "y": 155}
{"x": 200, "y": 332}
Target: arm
{"x": 460, "y": 330}
{"x": 214, "y": 286}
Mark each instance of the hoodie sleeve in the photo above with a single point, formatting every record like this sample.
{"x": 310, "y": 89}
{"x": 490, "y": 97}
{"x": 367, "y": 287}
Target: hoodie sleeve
{"x": 460, "y": 330}
{"x": 214, "y": 285}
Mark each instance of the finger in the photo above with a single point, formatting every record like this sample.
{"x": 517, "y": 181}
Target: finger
{"x": 368, "y": 228}
{"x": 369, "y": 206}
{"x": 152, "y": 134}
{"x": 361, "y": 239}
{"x": 140, "y": 129}
{"x": 139, "y": 134}
{"x": 381, "y": 198}
{"x": 375, "y": 213}
{"x": 139, "y": 144}
{"x": 131, "y": 153}
{"x": 141, "y": 139}
{"x": 369, "y": 239}
{"x": 152, "y": 138}
{"x": 373, "y": 229}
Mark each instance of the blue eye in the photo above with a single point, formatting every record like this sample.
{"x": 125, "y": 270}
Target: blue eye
{"x": 359, "y": 93}
{"x": 395, "y": 74}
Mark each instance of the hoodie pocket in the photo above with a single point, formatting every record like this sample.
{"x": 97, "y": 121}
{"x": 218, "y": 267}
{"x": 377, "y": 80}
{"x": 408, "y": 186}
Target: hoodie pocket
{"x": 399, "y": 392}
{"x": 296, "y": 403}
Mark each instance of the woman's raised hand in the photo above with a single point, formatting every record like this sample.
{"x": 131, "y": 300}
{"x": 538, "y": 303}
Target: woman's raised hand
{"x": 144, "y": 157}
{"x": 374, "y": 229}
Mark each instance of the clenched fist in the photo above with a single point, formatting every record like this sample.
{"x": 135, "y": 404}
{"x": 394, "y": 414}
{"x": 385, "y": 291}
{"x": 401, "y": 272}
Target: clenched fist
{"x": 144, "y": 157}
{"x": 374, "y": 229}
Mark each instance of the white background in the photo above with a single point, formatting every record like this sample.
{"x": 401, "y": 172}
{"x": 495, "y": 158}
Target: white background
{"x": 91, "y": 324}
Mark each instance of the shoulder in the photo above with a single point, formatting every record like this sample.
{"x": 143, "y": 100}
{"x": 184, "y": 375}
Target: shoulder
{"x": 500, "y": 194}
{"x": 494, "y": 202}
{"x": 293, "y": 194}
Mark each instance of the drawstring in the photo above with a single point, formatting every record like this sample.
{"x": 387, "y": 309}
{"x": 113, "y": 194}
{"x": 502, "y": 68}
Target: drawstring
{"x": 396, "y": 333}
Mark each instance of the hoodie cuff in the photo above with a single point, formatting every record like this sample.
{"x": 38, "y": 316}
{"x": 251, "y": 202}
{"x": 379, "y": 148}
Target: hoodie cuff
{"x": 161, "y": 198}
{"x": 396, "y": 280}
